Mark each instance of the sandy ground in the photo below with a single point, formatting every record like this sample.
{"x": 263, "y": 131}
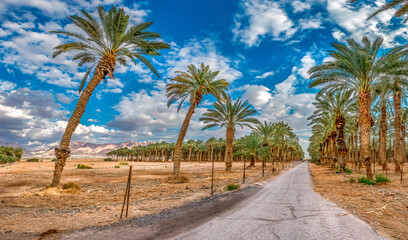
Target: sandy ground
{"x": 28, "y": 208}
{"x": 384, "y": 206}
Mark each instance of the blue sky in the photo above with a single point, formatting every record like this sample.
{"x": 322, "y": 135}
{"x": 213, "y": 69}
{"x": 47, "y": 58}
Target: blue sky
{"x": 263, "y": 48}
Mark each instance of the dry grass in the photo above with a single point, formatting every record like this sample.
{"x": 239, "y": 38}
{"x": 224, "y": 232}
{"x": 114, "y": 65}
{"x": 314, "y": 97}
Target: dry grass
{"x": 384, "y": 206}
{"x": 28, "y": 206}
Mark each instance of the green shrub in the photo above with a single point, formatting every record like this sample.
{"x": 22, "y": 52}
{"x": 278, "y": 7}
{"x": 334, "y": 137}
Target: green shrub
{"x": 366, "y": 181}
{"x": 82, "y": 166}
{"x": 54, "y": 160}
{"x": 232, "y": 187}
{"x": 108, "y": 159}
{"x": 33, "y": 160}
{"x": 123, "y": 163}
{"x": 117, "y": 166}
{"x": 381, "y": 178}
{"x": 337, "y": 171}
{"x": 347, "y": 170}
{"x": 7, "y": 159}
{"x": 352, "y": 180}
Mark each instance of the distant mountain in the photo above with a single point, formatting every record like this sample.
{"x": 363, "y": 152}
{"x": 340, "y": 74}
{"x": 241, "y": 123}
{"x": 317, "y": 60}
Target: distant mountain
{"x": 86, "y": 149}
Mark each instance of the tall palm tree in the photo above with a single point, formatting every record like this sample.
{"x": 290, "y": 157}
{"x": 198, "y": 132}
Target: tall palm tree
{"x": 103, "y": 44}
{"x": 382, "y": 93}
{"x": 357, "y": 67}
{"x": 229, "y": 114}
{"x": 192, "y": 84}
{"x": 399, "y": 88}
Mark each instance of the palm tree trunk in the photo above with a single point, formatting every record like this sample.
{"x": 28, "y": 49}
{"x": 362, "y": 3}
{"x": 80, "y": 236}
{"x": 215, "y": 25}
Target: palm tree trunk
{"x": 341, "y": 144}
{"x": 106, "y": 66}
{"x": 404, "y": 152}
{"x": 229, "y": 149}
{"x": 382, "y": 144}
{"x": 397, "y": 128}
{"x": 364, "y": 104}
{"x": 179, "y": 143}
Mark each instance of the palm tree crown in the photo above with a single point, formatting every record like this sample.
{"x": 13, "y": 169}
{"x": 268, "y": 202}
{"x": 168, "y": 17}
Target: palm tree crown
{"x": 227, "y": 113}
{"x": 193, "y": 84}
{"x": 110, "y": 36}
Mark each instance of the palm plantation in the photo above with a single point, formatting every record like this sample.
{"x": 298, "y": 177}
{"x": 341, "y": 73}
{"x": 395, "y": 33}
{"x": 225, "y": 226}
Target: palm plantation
{"x": 192, "y": 86}
{"x": 358, "y": 67}
{"x": 106, "y": 42}
{"x": 229, "y": 114}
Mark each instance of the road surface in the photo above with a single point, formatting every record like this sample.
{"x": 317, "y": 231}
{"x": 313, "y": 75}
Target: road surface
{"x": 287, "y": 208}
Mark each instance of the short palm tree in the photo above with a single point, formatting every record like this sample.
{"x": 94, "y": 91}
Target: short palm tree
{"x": 103, "y": 44}
{"x": 192, "y": 85}
{"x": 266, "y": 131}
{"x": 357, "y": 67}
{"x": 229, "y": 114}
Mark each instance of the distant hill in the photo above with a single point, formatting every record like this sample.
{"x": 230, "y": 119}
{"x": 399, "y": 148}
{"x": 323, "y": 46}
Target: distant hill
{"x": 86, "y": 149}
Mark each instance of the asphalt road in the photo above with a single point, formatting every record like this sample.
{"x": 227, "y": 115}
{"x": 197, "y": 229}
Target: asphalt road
{"x": 287, "y": 208}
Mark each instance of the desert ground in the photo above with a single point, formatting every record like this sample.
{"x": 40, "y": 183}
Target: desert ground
{"x": 384, "y": 206}
{"x": 28, "y": 208}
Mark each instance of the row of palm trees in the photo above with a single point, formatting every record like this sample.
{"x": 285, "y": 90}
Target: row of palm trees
{"x": 354, "y": 101}
{"x": 10, "y": 154}
{"x": 268, "y": 142}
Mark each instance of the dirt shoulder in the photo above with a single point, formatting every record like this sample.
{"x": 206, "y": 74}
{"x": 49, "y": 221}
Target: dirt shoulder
{"x": 168, "y": 223}
{"x": 385, "y": 207}
{"x": 28, "y": 209}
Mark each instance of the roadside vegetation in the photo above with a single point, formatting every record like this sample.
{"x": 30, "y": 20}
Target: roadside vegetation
{"x": 10, "y": 154}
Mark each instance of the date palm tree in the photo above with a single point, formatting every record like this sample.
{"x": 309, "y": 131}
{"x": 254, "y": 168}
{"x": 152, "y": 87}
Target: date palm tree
{"x": 266, "y": 131}
{"x": 192, "y": 85}
{"x": 338, "y": 107}
{"x": 102, "y": 45}
{"x": 229, "y": 114}
{"x": 382, "y": 93}
{"x": 357, "y": 67}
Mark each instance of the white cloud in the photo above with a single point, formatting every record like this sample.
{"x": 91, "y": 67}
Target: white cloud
{"x": 62, "y": 98}
{"x": 313, "y": 23}
{"x": 355, "y": 24}
{"x": 307, "y": 63}
{"x": 48, "y": 6}
{"x": 6, "y": 86}
{"x": 299, "y": 6}
{"x": 265, "y": 19}
{"x": 197, "y": 52}
{"x": 265, "y": 75}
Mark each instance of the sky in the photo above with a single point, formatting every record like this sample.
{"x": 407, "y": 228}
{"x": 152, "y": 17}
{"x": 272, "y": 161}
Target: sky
{"x": 264, "y": 49}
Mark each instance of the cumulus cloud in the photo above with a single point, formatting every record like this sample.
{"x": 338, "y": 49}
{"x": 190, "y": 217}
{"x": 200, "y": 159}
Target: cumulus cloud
{"x": 265, "y": 19}
{"x": 299, "y": 6}
{"x": 33, "y": 118}
{"x": 307, "y": 63}
{"x": 265, "y": 75}
{"x": 6, "y": 86}
{"x": 354, "y": 23}
{"x": 197, "y": 52}
{"x": 283, "y": 102}
{"x": 62, "y": 98}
